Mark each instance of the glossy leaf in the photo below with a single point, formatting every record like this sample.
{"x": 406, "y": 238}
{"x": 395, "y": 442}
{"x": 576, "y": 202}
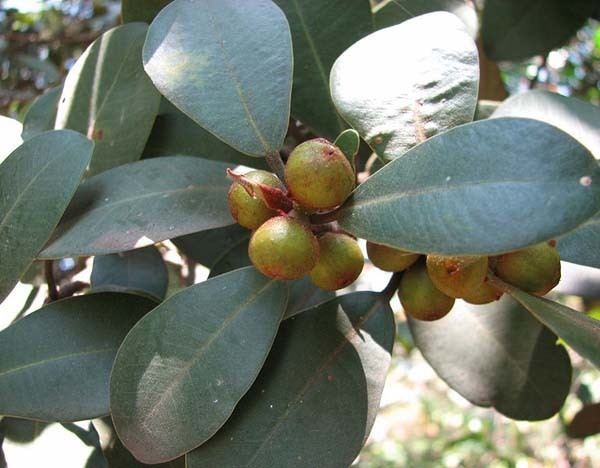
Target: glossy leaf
{"x": 317, "y": 396}
{"x": 142, "y": 270}
{"x": 585, "y": 423}
{"x": 140, "y": 204}
{"x": 181, "y": 371}
{"x": 56, "y": 362}
{"x": 489, "y": 187}
{"x": 42, "y": 114}
{"x": 304, "y": 295}
{"x": 141, "y": 10}
{"x": 174, "y": 133}
{"x": 391, "y": 12}
{"x": 579, "y": 331}
{"x": 349, "y": 142}
{"x": 412, "y": 92}
{"x": 108, "y": 97}
{"x": 242, "y": 79}
{"x": 582, "y": 246}
{"x": 10, "y": 129}
{"x": 578, "y": 118}
{"x": 498, "y": 355}
{"x": 321, "y": 31}
{"x": 516, "y": 30}
{"x": 37, "y": 182}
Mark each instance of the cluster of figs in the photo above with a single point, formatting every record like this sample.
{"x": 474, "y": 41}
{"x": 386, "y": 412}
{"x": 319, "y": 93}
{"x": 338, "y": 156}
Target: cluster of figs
{"x": 287, "y": 245}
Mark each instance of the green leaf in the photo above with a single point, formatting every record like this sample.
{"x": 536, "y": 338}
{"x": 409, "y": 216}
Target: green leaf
{"x": 37, "y": 181}
{"x": 486, "y": 108}
{"x": 240, "y": 57}
{"x": 183, "y": 368}
{"x": 498, "y": 355}
{"x": 141, "y": 10}
{"x": 317, "y": 396}
{"x": 321, "y": 31}
{"x": 304, "y": 295}
{"x": 579, "y": 331}
{"x": 349, "y": 142}
{"x": 579, "y": 119}
{"x": 207, "y": 247}
{"x": 142, "y": 270}
{"x": 516, "y": 30}
{"x": 10, "y": 129}
{"x": 108, "y": 97}
{"x": 391, "y": 12}
{"x": 42, "y": 114}
{"x": 21, "y": 431}
{"x": 56, "y": 362}
{"x": 585, "y": 423}
{"x": 412, "y": 92}
{"x": 488, "y": 187}
{"x": 231, "y": 258}
{"x": 582, "y": 246}
{"x": 140, "y": 204}
{"x": 174, "y": 133}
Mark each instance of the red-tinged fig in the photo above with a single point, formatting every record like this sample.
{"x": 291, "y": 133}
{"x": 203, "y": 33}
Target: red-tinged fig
{"x": 419, "y": 296}
{"x": 457, "y": 276}
{"x": 389, "y": 259}
{"x": 340, "y": 262}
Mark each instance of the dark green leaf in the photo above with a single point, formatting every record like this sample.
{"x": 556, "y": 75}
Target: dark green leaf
{"x": 181, "y": 371}
{"x": 349, "y": 142}
{"x": 240, "y": 57}
{"x": 321, "y": 31}
{"x": 42, "y": 114}
{"x": 410, "y": 93}
{"x": 582, "y": 245}
{"x": 304, "y": 295}
{"x": 11, "y": 130}
{"x": 585, "y": 423}
{"x": 207, "y": 247}
{"x": 37, "y": 181}
{"x": 579, "y": 331}
{"x": 142, "y": 270}
{"x": 108, "y": 97}
{"x": 317, "y": 396}
{"x": 140, "y": 204}
{"x": 391, "y": 12}
{"x": 21, "y": 431}
{"x": 174, "y": 133}
{"x": 579, "y": 119}
{"x": 498, "y": 355}
{"x": 141, "y": 10}
{"x": 517, "y": 29}
{"x": 488, "y": 187}
{"x": 56, "y": 362}
{"x": 232, "y": 258}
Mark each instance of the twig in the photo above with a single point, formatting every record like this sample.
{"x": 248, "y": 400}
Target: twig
{"x": 536, "y": 78}
{"x": 49, "y": 274}
{"x": 392, "y": 286}
{"x": 276, "y": 164}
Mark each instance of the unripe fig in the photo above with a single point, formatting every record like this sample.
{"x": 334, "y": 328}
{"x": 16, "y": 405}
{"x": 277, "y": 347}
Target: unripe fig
{"x": 318, "y": 175}
{"x": 247, "y": 210}
{"x": 419, "y": 296}
{"x": 389, "y": 259}
{"x": 534, "y": 270}
{"x": 283, "y": 248}
{"x": 340, "y": 262}
{"x": 484, "y": 294}
{"x": 457, "y": 276}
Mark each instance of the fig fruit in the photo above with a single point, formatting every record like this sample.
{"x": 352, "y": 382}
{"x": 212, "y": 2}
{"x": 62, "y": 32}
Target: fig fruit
{"x": 483, "y": 294}
{"x": 340, "y": 262}
{"x": 251, "y": 212}
{"x": 318, "y": 175}
{"x": 283, "y": 248}
{"x": 389, "y": 259}
{"x": 457, "y": 276}
{"x": 419, "y": 296}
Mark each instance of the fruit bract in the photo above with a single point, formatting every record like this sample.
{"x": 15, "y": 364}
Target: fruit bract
{"x": 340, "y": 262}
{"x": 457, "y": 276}
{"x": 247, "y": 210}
{"x": 318, "y": 175}
{"x": 484, "y": 294}
{"x": 283, "y": 248}
{"x": 535, "y": 270}
{"x": 419, "y": 296}
{"x": 389, "y": 259}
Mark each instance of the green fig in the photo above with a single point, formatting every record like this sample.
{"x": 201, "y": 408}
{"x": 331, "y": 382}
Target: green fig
{"x": 483, "y": 294}
{"x": 419, "y": 296}
{"x": 340, "y": 262}
{"x": 318, "y": 175}
{"x": 457, "y": 276}
{"x": 249, "y": 211}
{"x": 389, "y": 259}
{"x": 283, "y": 248}
{"x": 535, "y": 270}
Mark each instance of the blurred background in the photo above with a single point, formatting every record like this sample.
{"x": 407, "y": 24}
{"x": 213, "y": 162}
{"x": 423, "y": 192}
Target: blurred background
{"x": 422, "y": 423}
